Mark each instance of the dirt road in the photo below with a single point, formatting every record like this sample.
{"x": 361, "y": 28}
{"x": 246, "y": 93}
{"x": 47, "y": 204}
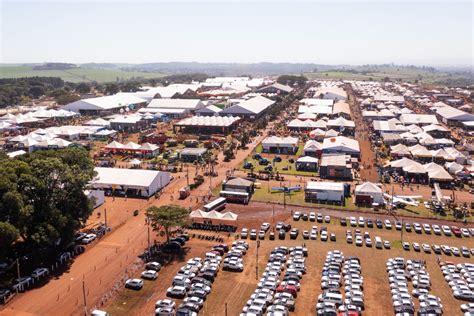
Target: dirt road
{"x": 368, "y": 159}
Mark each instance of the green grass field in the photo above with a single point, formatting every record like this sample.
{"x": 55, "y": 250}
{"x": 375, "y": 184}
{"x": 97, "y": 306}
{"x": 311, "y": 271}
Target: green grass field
{"x": 75, "y": 75}
{"x": 278, "y": 166}
{"x": 405, "y": 74}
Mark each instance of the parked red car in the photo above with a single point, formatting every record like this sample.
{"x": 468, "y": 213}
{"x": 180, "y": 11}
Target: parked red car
{"x": 288, "y": 289}
{"x": 456, "y": 231}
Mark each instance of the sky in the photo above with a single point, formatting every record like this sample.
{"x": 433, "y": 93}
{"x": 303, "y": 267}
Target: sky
{"x": 332, "y": 32}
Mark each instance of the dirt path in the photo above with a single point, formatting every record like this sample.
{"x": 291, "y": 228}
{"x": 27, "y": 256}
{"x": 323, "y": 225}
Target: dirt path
{"x": 368, "y": 159}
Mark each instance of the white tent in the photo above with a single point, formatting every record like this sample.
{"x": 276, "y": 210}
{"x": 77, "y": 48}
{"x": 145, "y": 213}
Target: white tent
{"x": 135, "y": 162}
{"x": 370, "y": 189}
{"x": 307, "y": 159}
{"x": 454, "y": 167}
{"x": 114, "y": 145}
{"x": 213, "y": 215}
{"x": 229, "y": 216}
{"x": 399, "y": 150}
{"x": 307, "y": 116}
{"x": 197, "y": 214}
{"x": 331, "y": 133}
{"x": 437, "y": 172}
{"x": 317, "y": 133}
{"x": 131, "y": 146}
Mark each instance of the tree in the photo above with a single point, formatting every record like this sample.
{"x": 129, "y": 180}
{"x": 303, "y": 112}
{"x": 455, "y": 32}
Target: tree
{"x": 67, "y": 98}
{"x": 292, "y": 80}
{"x": 8, "y": 235}
{"x": 111, "y": 88}
{"x": 83, "y": 88}
{"x": 167, "y": 217}
{"x": 36, "y": 91}
{"x": 42, "y": 197}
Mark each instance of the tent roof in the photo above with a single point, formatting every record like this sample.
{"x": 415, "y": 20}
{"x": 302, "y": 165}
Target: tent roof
{"x": 126, "y": 177}
{"x": 312, "y": 144}
{"x": 341, "y": 143}
{"x": 131, "y": 145}
{"x": 368, "y": 187}
{"x": 239, "y": 182}
{"x": 308, "y": 159}
{"x": 114, "y": 145}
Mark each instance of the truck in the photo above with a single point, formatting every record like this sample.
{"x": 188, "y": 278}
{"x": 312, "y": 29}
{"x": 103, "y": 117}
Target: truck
{"x": 184, "y": 192}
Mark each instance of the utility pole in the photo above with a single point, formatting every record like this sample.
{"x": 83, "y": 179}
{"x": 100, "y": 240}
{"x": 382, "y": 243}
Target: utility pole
{"x": 210, "y": 178}
{"x": 391, "y": 206}
{"x": 273, "y": 216}
{"x": 256, "y": 260}
{"x": 18, "y": 267}
{"x": 148, "y": 224}
{"x": 105, "y": 215}
{"x": 187, "y": 175}
{"x": 225, "y": 308}
{"x": 401, "y": 233}
{"x": 84, "y": 296}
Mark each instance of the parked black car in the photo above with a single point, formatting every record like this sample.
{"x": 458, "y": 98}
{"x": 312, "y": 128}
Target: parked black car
{"x": 5, "y": 295}
{"x": 172, "y": 246}
{"x": 379, "y": 223}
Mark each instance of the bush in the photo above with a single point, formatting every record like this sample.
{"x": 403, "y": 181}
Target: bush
{"x": 135, "y": 213}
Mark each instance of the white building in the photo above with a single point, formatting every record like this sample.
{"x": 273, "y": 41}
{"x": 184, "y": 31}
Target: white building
{"x": 324, "y": 191}
{"x": 130, "y": 182}
{"x": 250, "y": 108}
{"x": 418, "y": 119}
{"x": 163, "y": 105}
{"x": 107, "y": 104}
{"x": 341, "y": 145}
{"x": 280, "y": 145}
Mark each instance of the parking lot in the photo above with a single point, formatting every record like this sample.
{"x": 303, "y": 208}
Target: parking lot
{"x": 231, "y": 290}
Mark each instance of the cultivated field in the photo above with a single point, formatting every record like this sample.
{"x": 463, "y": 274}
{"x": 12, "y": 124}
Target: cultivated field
{"x": 234, "y": 289}
{"x": 75, "y": 75}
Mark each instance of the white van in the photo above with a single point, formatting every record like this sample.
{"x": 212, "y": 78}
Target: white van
{"x": 330, "y": 297}
{"x": 378, "y": 242}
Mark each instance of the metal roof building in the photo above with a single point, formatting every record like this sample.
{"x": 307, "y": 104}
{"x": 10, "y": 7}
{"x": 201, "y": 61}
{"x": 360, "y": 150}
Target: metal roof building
{"x": 448, "y": 113}
{"x": 197, "y": 124}
{"x": 132, "y": 181}
{"x": 111, "y": 103}
{"x": 250, "y": 108}
{"x": 418, "y": 119}
{"x": 341, "y": 144}
{"x": 191, "y": 104}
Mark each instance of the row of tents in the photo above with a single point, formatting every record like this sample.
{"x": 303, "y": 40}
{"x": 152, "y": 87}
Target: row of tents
{"x": 198, "y": 214}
